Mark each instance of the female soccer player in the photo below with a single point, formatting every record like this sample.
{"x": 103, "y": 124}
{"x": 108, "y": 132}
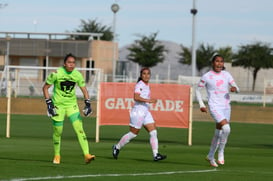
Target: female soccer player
{"x": 64, "y": 103}
{"x": 217, "y": 83}
{"x": 141, "y": 116}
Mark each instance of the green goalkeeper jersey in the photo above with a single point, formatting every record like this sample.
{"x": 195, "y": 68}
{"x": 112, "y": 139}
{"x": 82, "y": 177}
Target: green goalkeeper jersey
{"x": 64, "y": 91}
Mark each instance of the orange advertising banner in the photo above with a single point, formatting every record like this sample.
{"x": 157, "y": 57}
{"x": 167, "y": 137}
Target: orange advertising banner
{"x": 171, "y": 110}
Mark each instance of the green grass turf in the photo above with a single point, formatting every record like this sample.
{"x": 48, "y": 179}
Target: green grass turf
{"x": 28, "y": 153}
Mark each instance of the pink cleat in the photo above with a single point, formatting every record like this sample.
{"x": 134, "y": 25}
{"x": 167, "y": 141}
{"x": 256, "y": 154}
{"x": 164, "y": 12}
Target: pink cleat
{"x": 221, "y": 162}
{"x": 212, "y": 162}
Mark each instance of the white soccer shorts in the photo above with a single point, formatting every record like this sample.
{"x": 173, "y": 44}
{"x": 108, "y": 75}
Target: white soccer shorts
{"x": 220, "y": 114}
{"x": 140, "y": 117}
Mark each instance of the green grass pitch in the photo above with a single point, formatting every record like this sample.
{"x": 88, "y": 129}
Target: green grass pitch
{"x": 28, "y": 153}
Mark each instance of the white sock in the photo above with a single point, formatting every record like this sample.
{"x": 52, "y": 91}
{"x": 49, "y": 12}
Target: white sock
{"x": 154, "y": 142}
{"x": 125, "y": 139}
{"x": 223, "y": 140}
{"x": 214, "y": 143}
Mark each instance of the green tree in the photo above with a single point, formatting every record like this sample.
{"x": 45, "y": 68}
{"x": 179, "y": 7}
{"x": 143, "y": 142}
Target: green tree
{"x": 2, "y": 5}
{"x": 204, "y": 54}
{"x": 93, "y": 26}
{"x": 147, "y": 51}
{"x": 227, "y": 53}
{"x": 254, "y": 56}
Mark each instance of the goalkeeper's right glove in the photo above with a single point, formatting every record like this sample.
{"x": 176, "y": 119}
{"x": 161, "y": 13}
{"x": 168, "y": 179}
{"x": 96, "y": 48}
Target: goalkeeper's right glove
{"x": 51, "y": 110}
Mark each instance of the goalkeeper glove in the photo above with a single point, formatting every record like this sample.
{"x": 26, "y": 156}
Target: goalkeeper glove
{"x": 51, "y": 110}
{"x": 87, "y": 108}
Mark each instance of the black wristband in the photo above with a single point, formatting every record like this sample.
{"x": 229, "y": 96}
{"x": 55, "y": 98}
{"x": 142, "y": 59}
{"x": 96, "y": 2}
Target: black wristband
{"x": 87, "y": 102}
{"x": 48, "y": 101}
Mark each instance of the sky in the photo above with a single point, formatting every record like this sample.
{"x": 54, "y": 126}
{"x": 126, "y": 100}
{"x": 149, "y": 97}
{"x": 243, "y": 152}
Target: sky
{"x": 218, "y": 23}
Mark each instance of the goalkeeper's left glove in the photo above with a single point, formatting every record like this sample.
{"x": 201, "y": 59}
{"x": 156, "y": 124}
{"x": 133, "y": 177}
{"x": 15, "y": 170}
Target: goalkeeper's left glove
{"x": 87, "y": 108}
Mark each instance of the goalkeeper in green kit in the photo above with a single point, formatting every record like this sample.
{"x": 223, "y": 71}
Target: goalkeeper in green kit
{"x": 64, "y": 103}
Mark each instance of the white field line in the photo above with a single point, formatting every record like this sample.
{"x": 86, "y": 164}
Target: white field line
{"x": 114, "y": 175}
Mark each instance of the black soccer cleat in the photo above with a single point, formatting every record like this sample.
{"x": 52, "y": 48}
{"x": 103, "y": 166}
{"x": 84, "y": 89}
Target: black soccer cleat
{"x": 115, "y": 152}
{"x": 160, "y": 157}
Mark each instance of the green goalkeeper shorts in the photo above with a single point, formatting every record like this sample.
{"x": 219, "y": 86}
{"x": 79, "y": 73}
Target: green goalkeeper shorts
{"x": 72, "y": 112}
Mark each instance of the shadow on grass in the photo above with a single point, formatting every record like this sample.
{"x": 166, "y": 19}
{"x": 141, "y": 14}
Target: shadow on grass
{"x": 24, "y": 159}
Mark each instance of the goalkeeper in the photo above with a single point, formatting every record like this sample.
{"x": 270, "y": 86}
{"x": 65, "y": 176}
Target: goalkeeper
{"x": 64, "y": 103}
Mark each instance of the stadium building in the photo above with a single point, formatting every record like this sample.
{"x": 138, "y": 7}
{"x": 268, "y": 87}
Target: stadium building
{"x": 49, "y": 49}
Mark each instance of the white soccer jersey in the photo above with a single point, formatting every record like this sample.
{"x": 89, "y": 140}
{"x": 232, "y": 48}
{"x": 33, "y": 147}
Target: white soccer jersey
{"x": 140, "y": 114}
{"x": 144, "y": 91}
{"x": 217, "y": 86}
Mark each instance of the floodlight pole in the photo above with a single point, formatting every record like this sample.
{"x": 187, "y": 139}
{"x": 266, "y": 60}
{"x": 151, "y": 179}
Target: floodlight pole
{"x": 114, "y": 8}
{"x": 193, "y": 57}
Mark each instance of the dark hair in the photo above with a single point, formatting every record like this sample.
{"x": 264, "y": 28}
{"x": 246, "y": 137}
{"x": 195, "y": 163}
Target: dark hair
{"x": 69, "y": 55}
{"x": 215, "y": 55}
{"x": 144, "y": 68}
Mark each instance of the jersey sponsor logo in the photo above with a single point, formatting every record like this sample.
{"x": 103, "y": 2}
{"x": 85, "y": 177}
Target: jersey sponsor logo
{"x": 67, "y": 86}
{"x": 67, "y": 95}
{"x": 219, "y": 83}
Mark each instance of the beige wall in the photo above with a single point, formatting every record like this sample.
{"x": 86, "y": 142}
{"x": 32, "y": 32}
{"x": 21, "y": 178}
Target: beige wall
{"x": 244, "y": 77}
{"x": 102, "y": 54}
{"x": 2, "y": 60}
